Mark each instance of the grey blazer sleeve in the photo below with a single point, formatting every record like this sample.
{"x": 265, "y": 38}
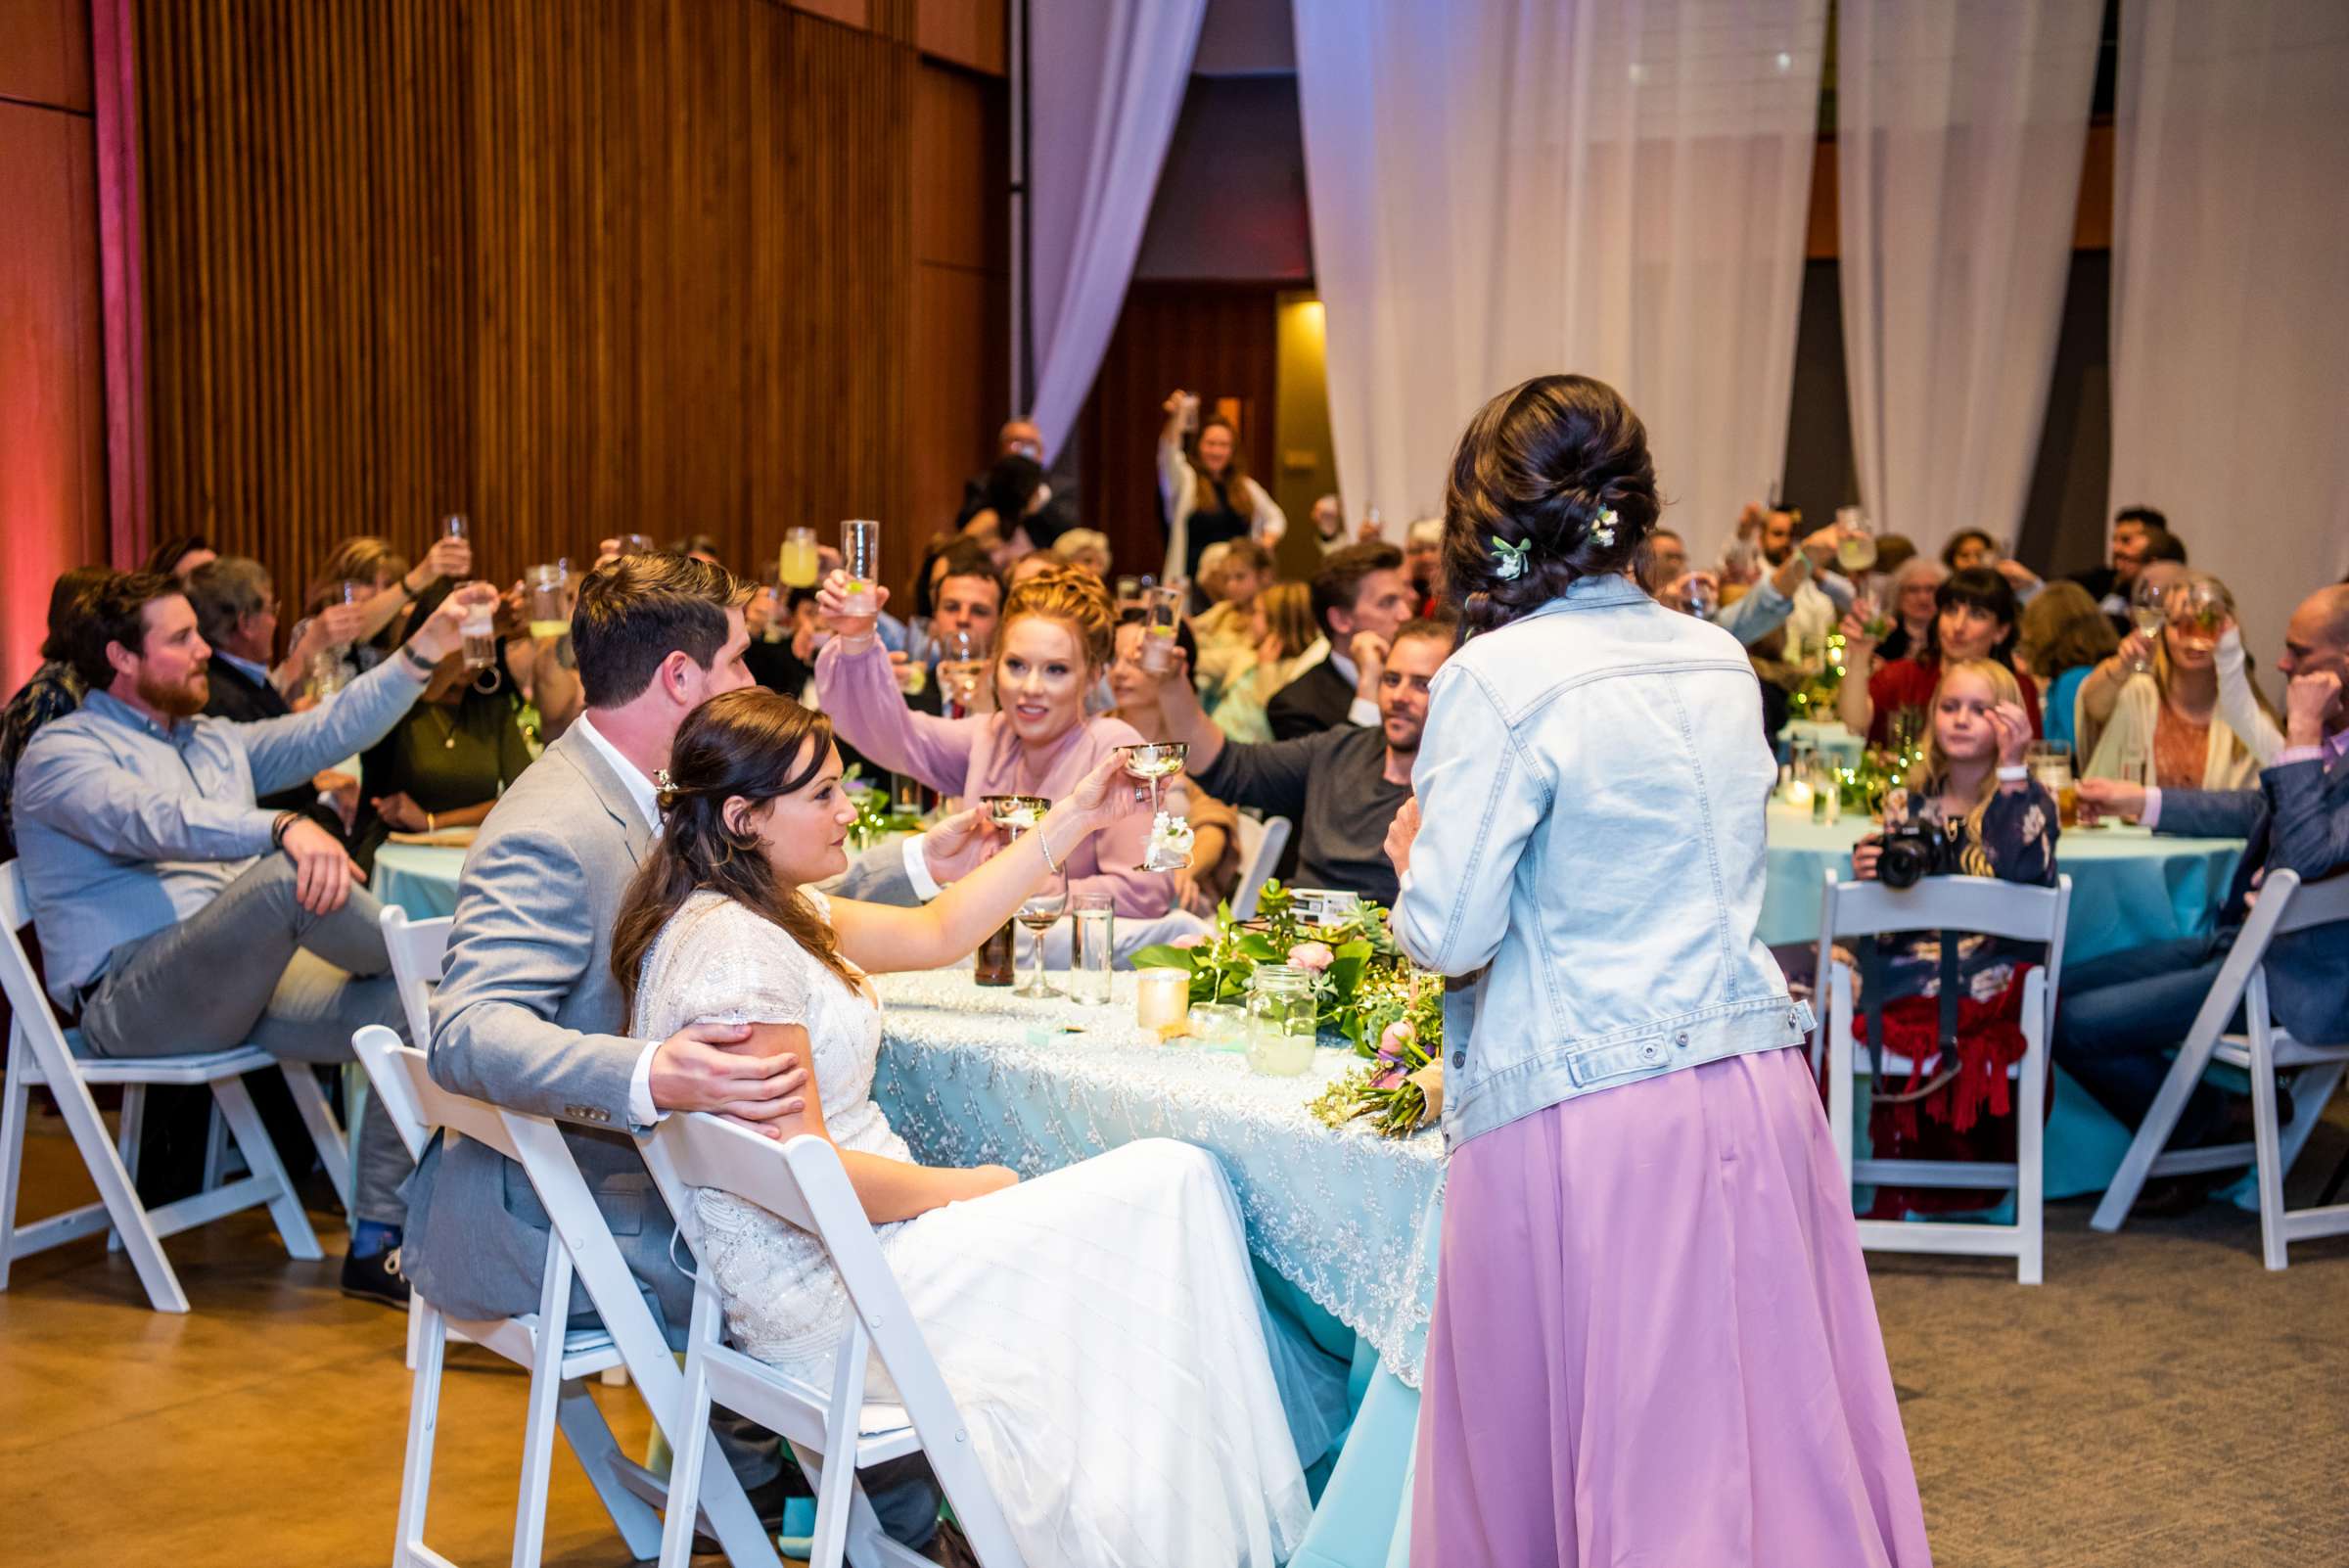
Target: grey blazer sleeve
{"x": 2211, "y": 813}
{"x": 521, "y": 945}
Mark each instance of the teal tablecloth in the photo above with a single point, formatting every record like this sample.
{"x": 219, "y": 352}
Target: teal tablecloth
{"x": 420, "y": 878}
{"x": 1343, "y": 1224}
{"x": 2129, "y": 888}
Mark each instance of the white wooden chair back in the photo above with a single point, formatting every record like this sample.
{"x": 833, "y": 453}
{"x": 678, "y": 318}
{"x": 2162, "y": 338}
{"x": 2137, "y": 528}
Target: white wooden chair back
{"x": 804, "y": 1182}
{"x": 1981, "y": 906}
{"x": 2287, "y": 907}
{"x": 417, "y": 948}
{"x": 39, "y": 1053}
{"x": 556, "y": 1357}
{"x": 1260, "y": 846}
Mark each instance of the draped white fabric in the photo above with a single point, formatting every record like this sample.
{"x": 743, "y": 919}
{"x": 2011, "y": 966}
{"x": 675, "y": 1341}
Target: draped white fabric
{"x": 2230, "y": 291}
{"x": 1504, "y": 188}
{"x": 1959, "y": 139}
{"x": 1106, "y": 83}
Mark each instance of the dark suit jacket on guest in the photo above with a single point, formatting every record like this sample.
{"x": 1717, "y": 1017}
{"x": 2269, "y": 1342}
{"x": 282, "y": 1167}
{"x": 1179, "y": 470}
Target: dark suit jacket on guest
{"x": 2297, "y": 821}
{"x": 239, "y": 698}
{"x": 1315, "y": 701}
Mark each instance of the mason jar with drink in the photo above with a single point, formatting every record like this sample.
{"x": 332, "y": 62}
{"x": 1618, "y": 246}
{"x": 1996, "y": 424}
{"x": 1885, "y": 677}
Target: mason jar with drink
{"x": 795, "y": 565}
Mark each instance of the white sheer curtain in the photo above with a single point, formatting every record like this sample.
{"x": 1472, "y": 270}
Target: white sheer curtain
{"x": 1504, "y": 188}
{"x": 1959, "y": 136}
{"x": 1105, "y": 85}
{"x": 2231, "y": 292}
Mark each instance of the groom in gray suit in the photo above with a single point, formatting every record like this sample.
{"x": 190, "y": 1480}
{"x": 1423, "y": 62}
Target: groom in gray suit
{"x": 528, "y": 1013}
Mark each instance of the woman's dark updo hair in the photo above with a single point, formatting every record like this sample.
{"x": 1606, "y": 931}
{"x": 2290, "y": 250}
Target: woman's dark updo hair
{"x": 1535, "y": 468}
{"x": 753, "y": 742}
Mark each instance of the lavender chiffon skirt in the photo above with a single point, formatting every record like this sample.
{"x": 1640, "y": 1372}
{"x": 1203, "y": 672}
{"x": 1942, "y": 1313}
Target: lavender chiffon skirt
{"x": 1654, "y": 1344}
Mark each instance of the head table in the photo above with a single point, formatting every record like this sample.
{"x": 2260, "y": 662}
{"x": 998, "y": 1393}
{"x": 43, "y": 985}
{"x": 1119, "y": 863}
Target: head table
{"x": 1341, "y": 1217}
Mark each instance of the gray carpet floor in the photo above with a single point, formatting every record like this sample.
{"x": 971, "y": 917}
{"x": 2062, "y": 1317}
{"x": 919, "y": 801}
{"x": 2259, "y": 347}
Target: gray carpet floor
{"x": 2162, "y": 1401}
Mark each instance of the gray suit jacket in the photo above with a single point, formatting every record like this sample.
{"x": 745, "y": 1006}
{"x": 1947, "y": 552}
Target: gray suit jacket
{"x": 527, "y": 1017}
{"x": 2297, "y": 819}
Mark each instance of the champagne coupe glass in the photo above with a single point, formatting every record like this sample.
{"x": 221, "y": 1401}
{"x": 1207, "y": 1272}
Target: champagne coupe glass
{"x": 1170, "y": 847}
{"x": 2149, "y": 615}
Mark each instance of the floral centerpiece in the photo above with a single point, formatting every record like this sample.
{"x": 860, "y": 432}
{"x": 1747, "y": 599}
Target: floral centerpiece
{"x": 1365, "y": 992}
{"x": 1337, "y": 954}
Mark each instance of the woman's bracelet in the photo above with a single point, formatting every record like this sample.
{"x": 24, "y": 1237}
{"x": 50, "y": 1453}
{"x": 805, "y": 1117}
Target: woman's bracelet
{"x": 2015, "y": 773}
{"x": 1044, "y": 844}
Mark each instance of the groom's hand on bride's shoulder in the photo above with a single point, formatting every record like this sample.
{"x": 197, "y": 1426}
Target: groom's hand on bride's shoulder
{"x": 702, "y": 1067}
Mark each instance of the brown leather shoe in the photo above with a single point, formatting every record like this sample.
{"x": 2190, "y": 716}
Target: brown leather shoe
{"x": 949, "y": 1549}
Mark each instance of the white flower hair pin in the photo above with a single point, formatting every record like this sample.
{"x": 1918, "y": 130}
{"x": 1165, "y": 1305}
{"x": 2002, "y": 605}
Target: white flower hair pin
{"x": 1508, "y": 560}
{"x": 1604, "y": 531}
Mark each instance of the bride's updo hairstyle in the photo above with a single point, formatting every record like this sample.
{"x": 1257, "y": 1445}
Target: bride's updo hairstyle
{"x": 1078, "y": 600}
{"x": 1533, "y": 473}
{"x": 753, "y": 742}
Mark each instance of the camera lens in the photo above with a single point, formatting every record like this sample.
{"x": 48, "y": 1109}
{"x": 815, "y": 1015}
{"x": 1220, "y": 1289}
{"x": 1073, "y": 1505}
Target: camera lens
{"x": 1901, "y": 864}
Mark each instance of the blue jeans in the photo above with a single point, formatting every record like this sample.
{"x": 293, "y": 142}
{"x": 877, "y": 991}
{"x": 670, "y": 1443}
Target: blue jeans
{"x": 2120, "y": 1018}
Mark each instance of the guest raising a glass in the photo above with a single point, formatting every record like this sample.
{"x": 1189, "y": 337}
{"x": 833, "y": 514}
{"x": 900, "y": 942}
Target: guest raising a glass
{"x": 1653, "y": 1339}
{"x": 1975, "y": 618}
{"x": 1055, "y": 644}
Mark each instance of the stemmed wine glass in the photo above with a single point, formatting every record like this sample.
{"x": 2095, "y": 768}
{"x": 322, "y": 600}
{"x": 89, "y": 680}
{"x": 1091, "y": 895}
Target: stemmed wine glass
{"x": 1170, "y": 846}
{"x": 1015, "y": 814}
{"x": 1038, "y": 912}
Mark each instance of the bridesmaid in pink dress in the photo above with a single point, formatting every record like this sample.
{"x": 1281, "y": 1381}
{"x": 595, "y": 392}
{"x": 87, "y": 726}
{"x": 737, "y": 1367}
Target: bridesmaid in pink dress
{"x": 1053, "y": 649}
{"x": 1653, "y": 1340}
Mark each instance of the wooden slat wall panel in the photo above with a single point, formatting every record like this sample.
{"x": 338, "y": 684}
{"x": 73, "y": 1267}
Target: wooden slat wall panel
{"x": 575, "y": 269}
{"x": 1219, "y": 340}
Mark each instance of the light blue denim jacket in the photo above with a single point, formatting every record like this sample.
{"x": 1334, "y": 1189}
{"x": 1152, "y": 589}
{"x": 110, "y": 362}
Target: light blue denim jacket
{"x": 1590, "y": 855}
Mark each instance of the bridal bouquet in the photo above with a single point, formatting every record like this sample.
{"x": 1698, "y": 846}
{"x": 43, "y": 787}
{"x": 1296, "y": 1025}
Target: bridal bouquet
{"x": 1339, "y": 955}
{"x": 1402, "y": 1090}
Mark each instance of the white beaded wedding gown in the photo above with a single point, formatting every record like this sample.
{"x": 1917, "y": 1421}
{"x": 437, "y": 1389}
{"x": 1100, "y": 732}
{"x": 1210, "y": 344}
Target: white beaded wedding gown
{"x": 1098, "y": 1326}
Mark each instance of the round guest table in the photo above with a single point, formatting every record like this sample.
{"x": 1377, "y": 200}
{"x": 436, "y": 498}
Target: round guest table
{"x": 420, "y": 878}
{"x": 2129, "y": 886}
{"x": 1342, "y": 1223}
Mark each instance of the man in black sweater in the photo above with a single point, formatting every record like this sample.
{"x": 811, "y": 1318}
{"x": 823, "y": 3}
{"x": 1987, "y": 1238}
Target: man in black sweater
{"x": 1359, "y": 597}
{"x": 1341, "y": 787}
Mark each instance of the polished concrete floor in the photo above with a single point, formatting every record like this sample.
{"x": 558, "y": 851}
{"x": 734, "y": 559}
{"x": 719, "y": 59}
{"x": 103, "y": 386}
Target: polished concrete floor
{"x": 2163, "y": 1402}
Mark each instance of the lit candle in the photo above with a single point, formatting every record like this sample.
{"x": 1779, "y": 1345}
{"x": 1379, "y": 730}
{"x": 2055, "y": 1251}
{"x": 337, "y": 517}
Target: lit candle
{"x": 1161, "y": 996}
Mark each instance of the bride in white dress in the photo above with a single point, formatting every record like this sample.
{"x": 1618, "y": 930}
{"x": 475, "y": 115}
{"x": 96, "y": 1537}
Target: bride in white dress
{"x": 1099, "y": 1326}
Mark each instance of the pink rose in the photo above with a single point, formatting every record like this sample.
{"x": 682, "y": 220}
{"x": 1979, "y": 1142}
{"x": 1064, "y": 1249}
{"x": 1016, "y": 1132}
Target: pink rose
{"x": 1311, "y": 956}
{"x": 1395, "y": 1037}
{"x": 1390, "y": 1078}
{"x": 1191, "y": 941}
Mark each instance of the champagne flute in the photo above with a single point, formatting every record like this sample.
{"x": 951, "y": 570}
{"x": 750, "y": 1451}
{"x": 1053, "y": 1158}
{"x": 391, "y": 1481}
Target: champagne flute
{"x": 1171, "y": 837}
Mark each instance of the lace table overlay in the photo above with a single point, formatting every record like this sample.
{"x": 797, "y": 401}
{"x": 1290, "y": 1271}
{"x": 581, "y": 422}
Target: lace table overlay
{"x": 970, "y": 1077}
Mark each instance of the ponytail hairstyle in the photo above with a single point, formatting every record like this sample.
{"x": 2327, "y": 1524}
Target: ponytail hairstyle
{"x": 752, "y": 743}
{"x": 1076, "y": 598}
{"x": 1550, "y": 484}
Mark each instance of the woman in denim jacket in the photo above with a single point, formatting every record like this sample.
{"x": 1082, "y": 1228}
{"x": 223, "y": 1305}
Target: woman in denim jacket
{"x": 1654, "y": 1338}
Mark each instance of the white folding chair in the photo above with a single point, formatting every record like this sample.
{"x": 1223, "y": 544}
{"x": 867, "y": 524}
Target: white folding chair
{"x": 558, "y": 1398}
{"x": 2286, "y": 905}
{"x": 803, "y": 1181}
{"x": 1953, "y": 905}
{"x": 417, "y": 948}
{"x": 1260, "y": 843}
{"x": 42, "y": 1053}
